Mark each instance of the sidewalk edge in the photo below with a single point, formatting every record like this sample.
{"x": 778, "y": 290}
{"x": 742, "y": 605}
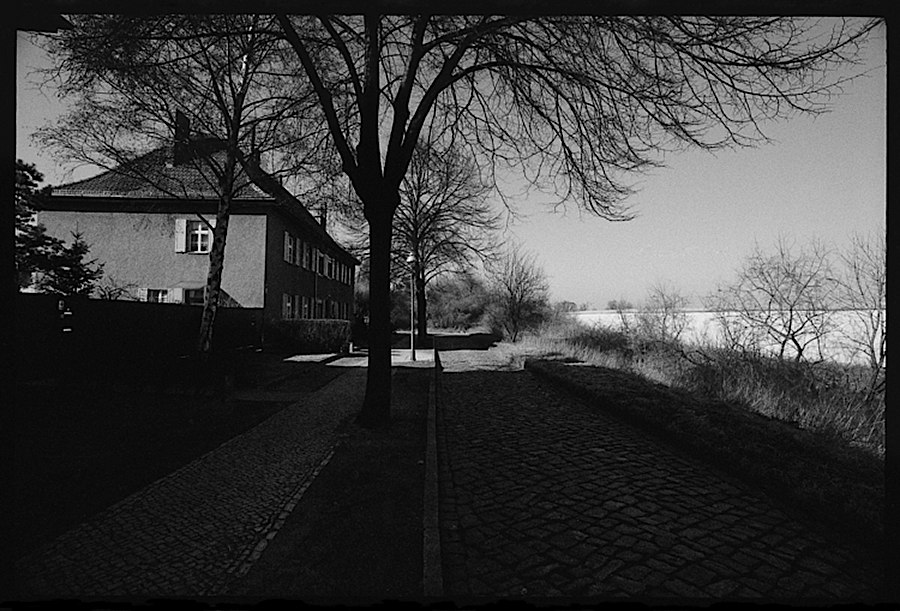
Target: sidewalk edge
{"x": 432, "y": 578}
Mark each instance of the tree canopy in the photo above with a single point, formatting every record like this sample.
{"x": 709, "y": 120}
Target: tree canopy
{"x": 575, "y": 103}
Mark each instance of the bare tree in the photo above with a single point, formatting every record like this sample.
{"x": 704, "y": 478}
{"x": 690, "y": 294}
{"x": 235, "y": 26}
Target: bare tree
{"x": 662, "y": 317}
{"x": 141, "y": 83}
{"x": 444, "y": 223}
{"x": 117, "y": 290}
{"x": 863, "y": 295}
{"x": 624, "y": 310}
{"x": 519, "y": 289}
{"x": 781, "y": 300}
{"x": 575, "y": 102}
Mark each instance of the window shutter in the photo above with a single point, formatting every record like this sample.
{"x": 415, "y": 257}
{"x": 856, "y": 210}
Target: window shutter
{"x": 142, "y": 294}
{"x": 287, "y": 247}
{"x": 176, "y": 296}
{"x": 180, "y": 239}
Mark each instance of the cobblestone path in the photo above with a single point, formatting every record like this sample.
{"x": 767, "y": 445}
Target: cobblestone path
{"x": 545, "y": 495}
{"x": 193, "y": 531}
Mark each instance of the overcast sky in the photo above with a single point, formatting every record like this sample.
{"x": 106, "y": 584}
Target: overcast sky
{"x": 698, "y": 217}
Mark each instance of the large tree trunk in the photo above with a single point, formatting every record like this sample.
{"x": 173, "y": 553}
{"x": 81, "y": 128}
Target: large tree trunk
{"x": 376, "y": 408}
{"x": 422, "y": 321}
{"x": 214, "y": 277}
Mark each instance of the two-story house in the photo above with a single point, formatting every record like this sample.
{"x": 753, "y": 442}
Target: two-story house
{"x": 147, "y": 223}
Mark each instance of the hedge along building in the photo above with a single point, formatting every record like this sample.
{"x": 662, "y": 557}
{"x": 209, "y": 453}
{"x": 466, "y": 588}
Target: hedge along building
{"x": 149, "y": 222}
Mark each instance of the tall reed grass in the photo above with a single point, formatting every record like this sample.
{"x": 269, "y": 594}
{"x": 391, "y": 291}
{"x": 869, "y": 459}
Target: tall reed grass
{"x": 831, "y": 398}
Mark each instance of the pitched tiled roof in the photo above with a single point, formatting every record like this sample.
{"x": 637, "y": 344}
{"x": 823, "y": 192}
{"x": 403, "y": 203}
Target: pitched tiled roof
{"x": 155, "y": 176}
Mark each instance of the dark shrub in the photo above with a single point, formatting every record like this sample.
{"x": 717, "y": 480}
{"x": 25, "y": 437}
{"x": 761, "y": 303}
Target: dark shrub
{"x": 312, "y": 336}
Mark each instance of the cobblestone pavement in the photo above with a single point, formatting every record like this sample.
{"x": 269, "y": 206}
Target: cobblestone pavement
{"x": 193, "y": 531}
{"x": 545, "y": 495}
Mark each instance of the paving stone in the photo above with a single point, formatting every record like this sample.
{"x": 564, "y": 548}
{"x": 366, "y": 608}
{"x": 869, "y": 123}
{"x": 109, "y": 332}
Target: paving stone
{"x": 696, "y": 575}
{"x": 683, "y": 589}
{"x": 648, "y": 520}
{"x": 198, "y": 521}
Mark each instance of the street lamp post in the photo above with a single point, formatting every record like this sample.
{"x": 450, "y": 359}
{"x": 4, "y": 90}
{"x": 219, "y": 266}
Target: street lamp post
{"x": 411, "y": 259}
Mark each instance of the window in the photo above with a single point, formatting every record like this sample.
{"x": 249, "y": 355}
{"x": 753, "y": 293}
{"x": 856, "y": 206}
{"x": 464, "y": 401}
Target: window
{"x": 193, "y": 236}
{"x": 298, "y": 250}
{"x": 304, "y": 313}
{"x": 199, "y": 237}
{"x": 194, "y": 296}
{"x": 287, "y": 306}
{"x": 288, "y": 247}
{"x": 329, "y": 267}
{"x": 157, "y": 295}
{"x": 307, "y": 250}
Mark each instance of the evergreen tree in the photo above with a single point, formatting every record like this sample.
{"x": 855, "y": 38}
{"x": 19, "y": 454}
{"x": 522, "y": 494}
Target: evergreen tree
{"x": 59, "y": 268}
{"x": 34, "y": 248}
{"x": 69, "y": 273}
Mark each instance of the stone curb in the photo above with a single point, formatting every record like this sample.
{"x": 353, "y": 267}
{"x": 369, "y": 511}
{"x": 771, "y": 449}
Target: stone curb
{"x": 432, "y": 578}
{"x": 253, "y": 551}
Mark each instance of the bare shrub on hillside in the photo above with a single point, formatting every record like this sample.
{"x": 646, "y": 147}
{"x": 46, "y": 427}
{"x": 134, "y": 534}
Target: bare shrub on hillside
{"x": 863, "y": 292}
{"x": 780, "y": 301}
{"x": 624, "y": 309}
{"x": 662, "y": 318}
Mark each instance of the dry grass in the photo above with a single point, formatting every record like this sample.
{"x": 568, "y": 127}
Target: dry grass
{"x": 828, "y": 398}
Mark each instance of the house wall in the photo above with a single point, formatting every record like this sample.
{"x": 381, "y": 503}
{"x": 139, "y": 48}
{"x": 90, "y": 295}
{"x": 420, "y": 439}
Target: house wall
{"x": 283, "y": 277}
{"x": 140, "y": 249}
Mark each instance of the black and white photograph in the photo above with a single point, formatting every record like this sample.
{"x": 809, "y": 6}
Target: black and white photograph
{"x": 372, "y": 306}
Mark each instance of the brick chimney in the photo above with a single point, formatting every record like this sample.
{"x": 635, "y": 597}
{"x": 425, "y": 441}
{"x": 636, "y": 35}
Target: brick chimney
{"x": 182, "y": 138}
{"x": 323, "y": 216}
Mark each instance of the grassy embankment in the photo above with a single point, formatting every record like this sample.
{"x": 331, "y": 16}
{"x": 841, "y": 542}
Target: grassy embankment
{"x": 808, "y": 433}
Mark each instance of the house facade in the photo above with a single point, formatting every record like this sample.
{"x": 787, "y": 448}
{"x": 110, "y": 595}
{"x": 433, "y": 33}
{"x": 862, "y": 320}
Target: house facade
{"x": 150, "y": 224}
